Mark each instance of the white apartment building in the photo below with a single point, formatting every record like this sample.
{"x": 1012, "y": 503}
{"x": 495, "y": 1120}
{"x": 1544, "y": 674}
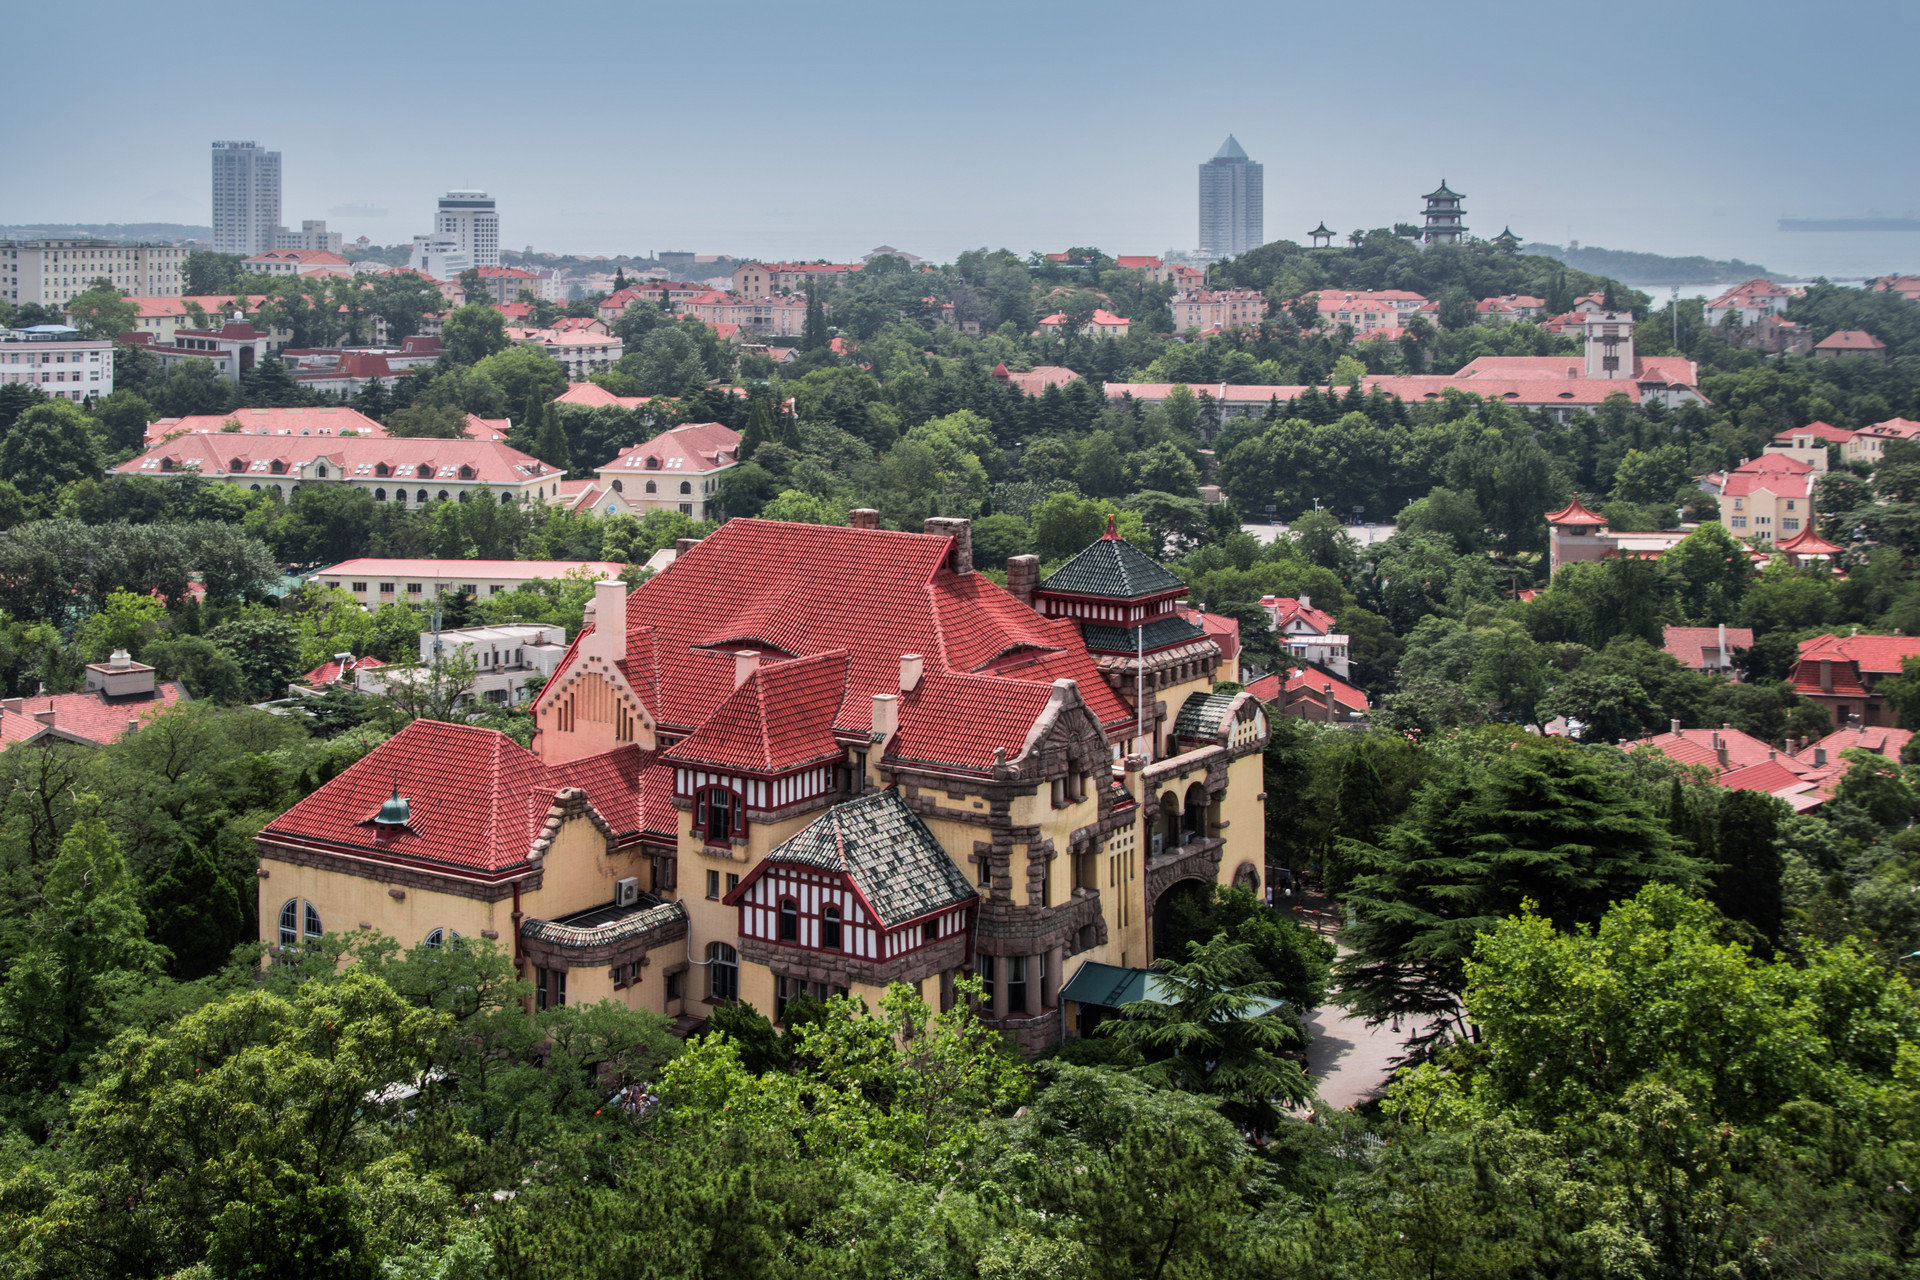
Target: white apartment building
{"x": 470, "y": 218}
{"x": 440, "y": 257}
{"x": 375, "y": 581}
{"x": 312, "y": 235}
{"x": 51, "y": 272}
{"x": 246, "y": 198}
{"x": 55, "y": 358}
{"x": 504, "y": 657}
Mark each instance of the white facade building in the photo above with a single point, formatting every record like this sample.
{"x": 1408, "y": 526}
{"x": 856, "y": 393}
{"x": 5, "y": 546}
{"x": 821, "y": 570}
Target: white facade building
{"x": 311, "y": 235}
{"x": 469, "y": 217}
{"x": 58, "y": 360}
{"x": 504, "y": 658}
{"x": 51, "y": 272}
{"x": 246, "y": 197}
{"x": 439, "y": 256}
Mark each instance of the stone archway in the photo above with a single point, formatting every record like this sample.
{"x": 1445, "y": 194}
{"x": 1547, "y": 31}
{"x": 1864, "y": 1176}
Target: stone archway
{"x": 1172, "y": 912}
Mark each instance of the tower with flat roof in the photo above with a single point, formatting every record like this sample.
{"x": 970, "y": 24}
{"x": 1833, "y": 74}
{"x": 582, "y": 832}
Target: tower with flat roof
{"x": 246, "y": 197}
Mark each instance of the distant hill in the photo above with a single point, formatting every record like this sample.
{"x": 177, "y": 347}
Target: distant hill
{"x": 1645, "y": 269}
{"x": 105, "y": 231}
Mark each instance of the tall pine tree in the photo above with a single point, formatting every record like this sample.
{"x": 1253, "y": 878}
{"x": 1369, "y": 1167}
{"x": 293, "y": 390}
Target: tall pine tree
{"x": 813, "y": 333}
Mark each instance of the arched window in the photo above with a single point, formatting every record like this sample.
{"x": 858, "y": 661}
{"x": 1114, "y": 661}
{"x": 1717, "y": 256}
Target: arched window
{"x": 466, "y": 471}
{"x": 441, "y": 937}
{"x": 382, "y": 469}
{"x": 424, "y": 471}
{"x": 618, "y": 487}
{"x": 789, "y": 920}
{"x": 379, "y": 495}
{"x": 277, "y": 467}
{"x": 653, "y": 464}
{"x": 686, "y": 486}
{"x": 463, "y": 495}
{"x": 255, "y": 488}
{"x": 720, "y": 813}
{"x": 293, "y": 914}
{"x": 421, "y": 497}
{"x": 652, "y": 487}
{"x": 321, "y": 471}
{"x": 234, "y": 464}
{"x": 1194, "y": 819}
{"x": 505, "y": 499}
{"x": 830, "y": 928}
{"x": 723, "y": 972}
{"x": 400, "y": 496}
{"x": 444, "y": 495}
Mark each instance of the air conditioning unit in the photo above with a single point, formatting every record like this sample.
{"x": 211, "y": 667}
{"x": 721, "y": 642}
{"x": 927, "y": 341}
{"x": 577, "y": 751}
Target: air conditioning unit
{"x": 626, "y": 892}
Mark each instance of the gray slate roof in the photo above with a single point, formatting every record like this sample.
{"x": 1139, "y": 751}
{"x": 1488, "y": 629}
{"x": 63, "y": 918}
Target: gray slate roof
{"x": 1203, "y": 715}
{"x": 888, "y": 853}
{"x": 1160, "y": 632}
{"x": 1113, "y": 568}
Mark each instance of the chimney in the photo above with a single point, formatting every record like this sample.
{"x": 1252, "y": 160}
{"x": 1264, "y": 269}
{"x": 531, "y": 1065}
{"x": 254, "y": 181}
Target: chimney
{"x": 1306, "y": 603}
{"x": 120, "y": 660}
{"x": 683, "y": 545}
{"x": 961, "y": 531}
{"x": 1725, "y": 661}
{"x": 863, "y": 518}
{"x": 1023, "y": 577}
{"x": 609, "y": 639}
{"x": 1720, "y": 750}
{"x": 886, "y": 719}
{"x": 44, "y": 717}
{"x": 1819, "y": 757}
{"x": 1676, "y": 728}
{"x": 1714, "y": 741}
{"x": 1826, "y": 675}
{"x": 745, "y": 663}
{"x": 16, "y": 705}
{"x": 911, "y": 667}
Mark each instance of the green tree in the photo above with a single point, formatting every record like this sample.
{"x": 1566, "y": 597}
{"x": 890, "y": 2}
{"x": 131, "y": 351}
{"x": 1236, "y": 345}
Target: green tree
{"x": 265, "y": 648}
{"x": 813, "y": 330}
{"x": 102, "y": 311}
{"x": 83, "y": 946}
{"x": 472, "y": 333}
{"x": 50, "y": 445}
{"x": 1746, "y": 881}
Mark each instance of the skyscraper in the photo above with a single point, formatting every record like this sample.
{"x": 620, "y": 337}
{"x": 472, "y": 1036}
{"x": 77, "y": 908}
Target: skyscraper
{"x": 1230, "y": 202}
{"x": 246, "y": 197}
{"x": 469, "y": 217}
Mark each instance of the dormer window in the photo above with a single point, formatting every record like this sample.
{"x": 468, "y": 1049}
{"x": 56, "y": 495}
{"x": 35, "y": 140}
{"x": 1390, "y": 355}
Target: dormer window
{"x": 423, "y": 471}
{"x": 382, "y": 469}
{"x": 234, "y": 464}
{"x": 466, "y": 472}
{"x": 719, "y": 813}
{"x": 278, "y": 467}
{"x": 653, "y": 464}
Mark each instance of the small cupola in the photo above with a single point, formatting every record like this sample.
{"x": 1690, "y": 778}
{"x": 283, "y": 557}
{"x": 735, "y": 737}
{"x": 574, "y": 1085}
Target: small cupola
{"x": 395, "y": 811}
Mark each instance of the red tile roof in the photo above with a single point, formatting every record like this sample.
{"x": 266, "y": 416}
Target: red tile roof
{"x": 1223, "y": 631}
{"x": 1300, "y": 681}
{"x": 593, "y": 396}
{"x": 305, "y": 257}
{"x": 1697, "y": 746}
{"x": 1575, "y": 512}
{"x": 1881, "y": 655}
{"x": 487, "y": 461}
{"x": 1038, "y": 379}
{"x": 87, "y": 717}
{"x": 807, "y": 590}
{"x": 689, "y": 448}
{"x": 1807, "y": 543}
{"x": 477, "y": 799}
{"x": 1850, "y": 340}
{"x": 1287, "y": 609}
{"x": 1824, "y": 430}
{"x": 780, "y": 718}
{"x": 333, "y": 669}
{"x": 319, "y": 420}
{"x": 1882, "y": 740}
{"x": 1686, "y": 643}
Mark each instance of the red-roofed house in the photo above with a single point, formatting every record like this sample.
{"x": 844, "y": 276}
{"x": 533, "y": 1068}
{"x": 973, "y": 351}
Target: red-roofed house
{"x": 1870, "y": 442}
{"x": 1750, "y": 302}
{"x": 311, "y": 420}
{"x": 408, "y": 471}
{"x": 763, "y": 279}
{"x": 1308, "y": 632}
{"x": 581, "y": 349}
{"x": 341, "y": 671}
{"x": 1767, "y": 497}
{"x": 120, "y": 696}
{"x": 1811, "y": 444}
{"x": 505, "y": 283}
{"x": 677, "y": 470}
{"x": 1309, "y": 694}
{"x": 1843, "y": 673}
{"x": 1850, "y": 342}
{"x": 1102, "y": 324}
{"x": 592, "y": 395}
{"x": 1907, "y": 287}
{"x": 1882, "y": 740}
{"x": 232, "y": 349}
{"x": 1708, "y": 650}
{"x": 297, "y": 262}
{"x": 1037, "y": 379}
{"x": 1215, "y": 311}
{"x": 819, "y": 758}
{"x": 1509, "y": 309}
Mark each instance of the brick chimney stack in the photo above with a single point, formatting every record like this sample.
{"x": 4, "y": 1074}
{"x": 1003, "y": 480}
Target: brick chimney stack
{"x": 745, "y": 663}
{"x": 863, "y": 518}
{"x": 961, "y": 531}
{"x": 912, "y": 667}
{"x": 1023, "y": 577}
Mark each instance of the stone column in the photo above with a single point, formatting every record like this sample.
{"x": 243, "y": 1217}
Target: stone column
{"x": 1050, "y": 981}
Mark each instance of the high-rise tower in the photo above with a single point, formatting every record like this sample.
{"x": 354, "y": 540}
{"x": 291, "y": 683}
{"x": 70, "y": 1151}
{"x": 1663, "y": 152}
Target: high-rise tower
{"x": 1231, "y": 210}
{"x": 246, "y": 197}
{"x": 469, "y": 217}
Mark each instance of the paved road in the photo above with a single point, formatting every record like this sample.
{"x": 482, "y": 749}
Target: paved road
{"x": 1349, "y": 1060}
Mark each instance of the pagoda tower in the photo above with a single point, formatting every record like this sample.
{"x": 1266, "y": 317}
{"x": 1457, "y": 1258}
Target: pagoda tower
{"x": 1443, "y": 215}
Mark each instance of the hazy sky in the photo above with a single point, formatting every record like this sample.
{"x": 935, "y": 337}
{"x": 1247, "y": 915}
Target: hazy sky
{"x": 799, "y": 129}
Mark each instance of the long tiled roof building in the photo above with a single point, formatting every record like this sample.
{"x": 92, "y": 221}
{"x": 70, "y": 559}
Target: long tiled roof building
{"x": 813, "y": 759}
